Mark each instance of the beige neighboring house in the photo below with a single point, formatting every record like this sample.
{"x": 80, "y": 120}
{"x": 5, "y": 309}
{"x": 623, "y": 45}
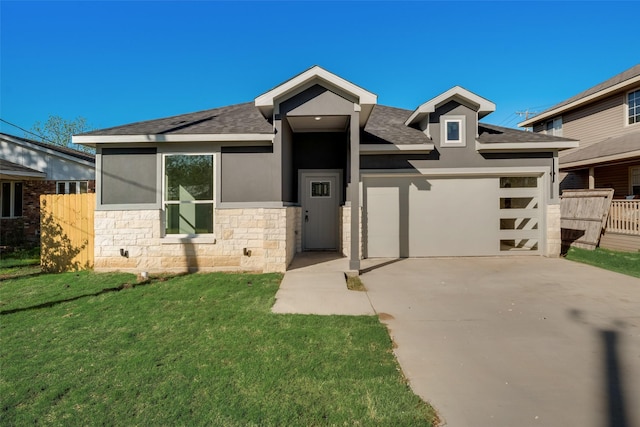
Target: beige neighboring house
{"x": 606, "y": 121}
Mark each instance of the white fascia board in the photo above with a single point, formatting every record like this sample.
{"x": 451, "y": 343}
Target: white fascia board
{"x": 599, "y": 160}
{"x": 448, "y": 172}
{"x": 19, "y": 174}
{"x": 364, "y": 96}
{"x": 525, "y": 146}
{"x": 92, "y": 140}
{"x": 558, "y": 111}
{"x": 395, "y": 148}
{"x": 484, "y": 105}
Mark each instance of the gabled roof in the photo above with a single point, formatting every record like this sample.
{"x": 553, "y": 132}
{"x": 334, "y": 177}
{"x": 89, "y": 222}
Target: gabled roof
{"x": 65, "y": 151}
{"x": 617, "y": 82}
{"x": 611, "y": 149}
{"x": 481, "y": 105}
{"x": 267, "y": 101}
{"x": 241, "y": 120}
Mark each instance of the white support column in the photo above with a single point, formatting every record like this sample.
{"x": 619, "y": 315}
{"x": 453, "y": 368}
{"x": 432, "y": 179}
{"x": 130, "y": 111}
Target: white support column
{"x": 592, "y": 178}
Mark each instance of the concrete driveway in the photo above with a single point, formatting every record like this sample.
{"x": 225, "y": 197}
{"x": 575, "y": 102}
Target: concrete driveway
{"x": 523, "y": 341}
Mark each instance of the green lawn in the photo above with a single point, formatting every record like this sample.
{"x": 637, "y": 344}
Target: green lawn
{"x": 95, "y": 349}
{"x": 20, "y": 263}
{"x": 621, "y": 262}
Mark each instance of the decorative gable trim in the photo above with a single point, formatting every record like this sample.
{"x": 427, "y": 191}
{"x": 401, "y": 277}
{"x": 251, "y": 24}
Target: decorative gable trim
{"x": 481, "y": 105}
{"x": 268, "y": 101}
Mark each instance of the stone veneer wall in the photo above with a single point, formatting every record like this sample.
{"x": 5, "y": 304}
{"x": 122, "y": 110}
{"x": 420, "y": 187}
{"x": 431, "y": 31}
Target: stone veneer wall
{"x": 554, "y": 239}
{"x": 345, "y": 231}
{"x": 265, "y": 233}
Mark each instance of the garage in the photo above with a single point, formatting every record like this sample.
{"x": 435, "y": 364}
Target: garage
{"x": 471, "y": 215}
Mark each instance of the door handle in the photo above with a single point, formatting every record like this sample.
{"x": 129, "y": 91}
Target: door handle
{"x": 306, "y": 218}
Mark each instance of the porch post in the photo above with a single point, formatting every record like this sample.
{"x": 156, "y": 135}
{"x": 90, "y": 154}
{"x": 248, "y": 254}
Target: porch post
{"x": 354, "y": 190}
{"x": 592, "y": 178}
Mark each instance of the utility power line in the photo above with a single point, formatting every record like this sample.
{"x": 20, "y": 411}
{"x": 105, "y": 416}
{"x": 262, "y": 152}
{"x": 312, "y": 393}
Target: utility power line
{"x": 27, "y": 131}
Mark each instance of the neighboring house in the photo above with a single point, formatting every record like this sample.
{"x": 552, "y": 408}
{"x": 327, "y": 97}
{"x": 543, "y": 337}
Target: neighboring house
{"x": 29, "y": 169}
{"x": 245, "y": 187}
{"x": 606, "y": 121}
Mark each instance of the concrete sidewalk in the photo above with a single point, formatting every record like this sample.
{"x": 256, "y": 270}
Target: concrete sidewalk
{"x": 315, "y": 284}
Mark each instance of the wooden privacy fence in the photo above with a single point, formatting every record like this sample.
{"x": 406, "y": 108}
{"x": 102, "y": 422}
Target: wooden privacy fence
{"x": 66, "y": 231}
{"x": 624, "y": 217}
{"x": 583, "y": 215}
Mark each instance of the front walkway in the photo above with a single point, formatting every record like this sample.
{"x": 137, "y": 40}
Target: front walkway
{"x": 315, "y": 284}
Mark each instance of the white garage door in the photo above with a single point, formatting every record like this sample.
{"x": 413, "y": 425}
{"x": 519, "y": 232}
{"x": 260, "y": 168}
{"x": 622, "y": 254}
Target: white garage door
{"x": 421, "y": 216}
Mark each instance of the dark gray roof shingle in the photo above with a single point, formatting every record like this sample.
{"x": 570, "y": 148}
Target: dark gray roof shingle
{"x": 386, "y": 124}
{"x": 233, "y": 119}
{"x": 497, "y": 134}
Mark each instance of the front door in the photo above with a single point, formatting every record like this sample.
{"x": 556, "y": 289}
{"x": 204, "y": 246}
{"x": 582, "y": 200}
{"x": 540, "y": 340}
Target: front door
{"x": 320, "y": 200}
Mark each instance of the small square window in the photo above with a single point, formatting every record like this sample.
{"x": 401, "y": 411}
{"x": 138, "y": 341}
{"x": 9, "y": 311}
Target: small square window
{"x": 320, "y": 189}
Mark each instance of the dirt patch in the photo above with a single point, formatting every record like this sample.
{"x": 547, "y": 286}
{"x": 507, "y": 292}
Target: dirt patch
{"x": 385, "y": 316}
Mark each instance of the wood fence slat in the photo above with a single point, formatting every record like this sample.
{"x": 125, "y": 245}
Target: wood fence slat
{"x": 66, "y": 231}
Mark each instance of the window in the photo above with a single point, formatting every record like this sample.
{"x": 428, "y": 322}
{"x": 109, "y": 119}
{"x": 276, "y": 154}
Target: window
{"x": 554, "y": 127}
{"x": 634, "y": 180}
{"x": 320, "y": 189}
{"x": 72, "y": 187}
{"x": 11, "y": 199}
{"x": 452, "y": 131}
{"x": 633, "y": 105}
{"x": 188, "y": 194}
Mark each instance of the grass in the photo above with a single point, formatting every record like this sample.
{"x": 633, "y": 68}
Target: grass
{"x": 24, "y": 262}
{"x": 354, "y": 283}
{"x": 91, "y": 349}
{"x": 622, "y": 262}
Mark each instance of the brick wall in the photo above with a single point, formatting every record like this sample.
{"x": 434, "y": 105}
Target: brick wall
{"x": 554, "y": 240}
{"x": 26, "y": 230}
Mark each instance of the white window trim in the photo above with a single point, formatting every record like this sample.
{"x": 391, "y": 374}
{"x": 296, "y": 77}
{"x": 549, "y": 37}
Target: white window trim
{"x": 12, "y": 200}
{"x": 626, "y": 107}
{"x": 66, "y": 186}
{"x": 174, "y": 238}
{"x": 462, "y": 142}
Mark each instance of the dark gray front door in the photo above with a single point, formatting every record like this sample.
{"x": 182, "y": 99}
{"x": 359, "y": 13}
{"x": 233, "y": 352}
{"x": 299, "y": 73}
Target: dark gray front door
{"x": 320, "y": 198}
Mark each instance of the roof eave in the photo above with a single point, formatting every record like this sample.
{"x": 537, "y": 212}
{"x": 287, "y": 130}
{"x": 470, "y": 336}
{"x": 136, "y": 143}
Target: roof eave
{"x": 396, "y": 148}
{"x": 532, "y": 147}
{"x": 92, "y": 140}
{"x": 600, "y": 160}
{"x": 558, "y": 111}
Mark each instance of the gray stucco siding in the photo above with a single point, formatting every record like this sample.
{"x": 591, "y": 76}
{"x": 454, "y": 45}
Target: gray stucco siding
{"x": 249, "y": 176}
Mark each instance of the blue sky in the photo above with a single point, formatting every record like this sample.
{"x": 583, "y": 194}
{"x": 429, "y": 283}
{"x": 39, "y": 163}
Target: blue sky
{"x": 120, "y": 62}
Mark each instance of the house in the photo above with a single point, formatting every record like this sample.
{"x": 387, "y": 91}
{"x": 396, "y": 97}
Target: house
{"x": 606, "y": 121}
{"x": 317, "y": 164}
{"x": 29, "y": 169}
